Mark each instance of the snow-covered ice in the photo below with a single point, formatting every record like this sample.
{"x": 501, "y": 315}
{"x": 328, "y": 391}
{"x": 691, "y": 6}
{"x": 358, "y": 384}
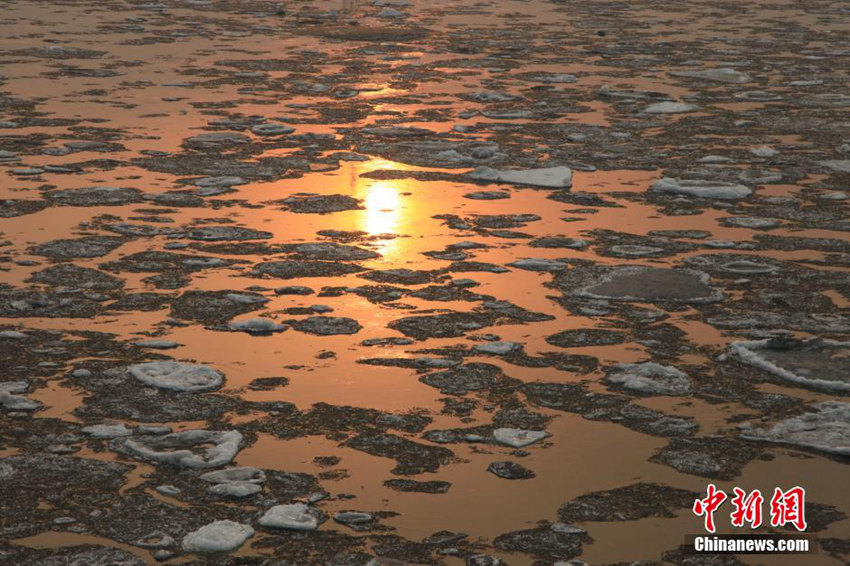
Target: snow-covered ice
{"x": 107, "y": 430}
{"x": 241, "y": 474}
{"x": 722, "y": 75}
{"x": 256, "y": 326}
{"x": 553, "y": 177}
{"x": 295, "y": 516}
{"x": 539, "y": 264}
{"x": 177, "y": 376}
{"x": 827, "y": 429}
{"x": 188, "y": 448}
{"x": 235, "y": 489}
{"x": 650, "y": 378}
{"x": 498, "y": 348}
{"x": 702, "y": 189}
{"x": 822, "y": 364}
{"x": 218, "y": 536}
{"x": 13, "y": 402}
{"x": 517, "y": 437}
{"x": 670, "y": 108}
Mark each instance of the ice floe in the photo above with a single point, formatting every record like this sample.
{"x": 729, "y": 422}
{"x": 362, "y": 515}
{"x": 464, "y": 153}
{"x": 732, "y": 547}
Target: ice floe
{"x": 670, "y": 108}
{"x": 539, "y": 264}
{"x": 218, "y": 536}
{"x": 177, "y": 376}
{"x": 188, "y": 448}
{"x": 295, "y": 516}
{"x": 13, "y": 402}
{"x": 822, "y": 364}
{"x": 650, "y": 378}
{"x": 235, "y": 482}
{"x": 157, "y": 344}
{"x": 722, "y": 75}
{"x": 510, "y": 470}
{"x": 518, "y": 438}
{"x": 107, "y": 430}
{"x": 826, "y": 429}
{"x": 256, "y": 326}
{"x": 552, "y": 177}
{"x": 840, "y": 165}
{"x": 652, "y": 284}
{"x": 702, "y": 189}
{"x": 498, "y": 348}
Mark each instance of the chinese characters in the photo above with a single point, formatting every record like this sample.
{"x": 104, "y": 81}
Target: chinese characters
{"x": 786, "y": 507}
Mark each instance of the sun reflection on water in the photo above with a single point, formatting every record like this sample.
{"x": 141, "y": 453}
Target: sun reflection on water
{"x": 383, "y": 213}
{"x": 383, "y": 208}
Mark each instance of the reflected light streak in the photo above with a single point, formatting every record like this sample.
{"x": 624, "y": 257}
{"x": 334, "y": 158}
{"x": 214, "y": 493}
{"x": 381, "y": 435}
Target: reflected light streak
{"x": 384, "y": 213}
{"x": 383, "y": 208}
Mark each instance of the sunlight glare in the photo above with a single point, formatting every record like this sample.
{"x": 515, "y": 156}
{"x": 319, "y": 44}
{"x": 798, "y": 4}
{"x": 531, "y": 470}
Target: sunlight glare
{"x": 383, "y": 208}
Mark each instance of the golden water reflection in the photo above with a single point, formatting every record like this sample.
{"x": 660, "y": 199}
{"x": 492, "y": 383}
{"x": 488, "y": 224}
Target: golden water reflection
{"x": 383, "y": 208}
{"x": 385, "y": 211}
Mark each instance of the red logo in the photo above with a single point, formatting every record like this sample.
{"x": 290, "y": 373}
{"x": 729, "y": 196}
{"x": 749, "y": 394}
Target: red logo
{"x": 786, "y": 507}
{"x": 706, "y": 507}
{"x": 747, "y": 508}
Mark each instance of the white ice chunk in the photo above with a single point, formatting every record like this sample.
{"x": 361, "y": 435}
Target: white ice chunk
{"x": 258, "y": 325}
{"x": 634, "y": 250}
{"x": 212, "y": 449}
{"x": 539, "y": 264}
{"x": 553, "y": 177}
{"x": 177, "y": 376}
{"x": 840, "y": 165}
{"x": 432, "y": 362}
{"x": 517, "y": 437}
{"x": 822, "y": 364}
{"x": 702, "y": 189}
{"x": 352, "y": 517}
{"x": 14, "y": 386}
{"x": 14, "y": 334}
{"x": 296, "y": 516}
{"x": 650, "y": 378}
{"x": 722, "y": 75}
{"x": 203, "y": 262}
{"x": 390, "y": 13}
{"x": 271, "y": 129}
{"x": 218, "y": 536}
{"x": 235, "y": 489}
{"x": 13, "y": 402}
{"x": 753, "y": 222}
{"x": 243, "y": 474}
{"x": 827, "y": 429}
{"x": 498, "y": 348}
{"x": 764, "y": 151}
{"x": 107, "y": 431}
{"x": 220, "y": 181}
{"x": 492, "y": 96}
{"x": 670, "y": 108}
{"x": 245, "y": 299}
{"x": 558, "y": 78}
